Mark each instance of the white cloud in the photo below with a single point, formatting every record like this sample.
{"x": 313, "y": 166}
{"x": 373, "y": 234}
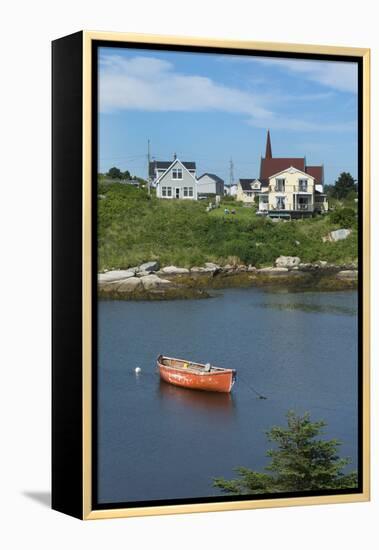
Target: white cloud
{"x": 152, "y": 84}
{"x": 341, "y": 76}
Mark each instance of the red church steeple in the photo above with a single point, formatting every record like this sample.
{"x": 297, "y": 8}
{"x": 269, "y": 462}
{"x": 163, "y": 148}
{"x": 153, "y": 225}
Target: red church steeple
{"x": 268, "y": 146}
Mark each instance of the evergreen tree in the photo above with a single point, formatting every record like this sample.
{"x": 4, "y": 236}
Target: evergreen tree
{"x": 344, "y": 185}
{"x": 114, "y": 173}
{"x": 300, "y": 462}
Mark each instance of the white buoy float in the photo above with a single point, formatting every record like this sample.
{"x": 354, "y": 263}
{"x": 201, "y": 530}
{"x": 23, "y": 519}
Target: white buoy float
{"x": 137, "y": 370}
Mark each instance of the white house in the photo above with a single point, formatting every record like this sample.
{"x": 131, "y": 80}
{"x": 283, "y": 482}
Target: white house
{"x": 210, "y": 184}
{"x": 159, "y": 167}
{"x": 231, "y": 190}
{"x": 291, "y": 192}
{"x": 176, "y": 182}
{"x": 248, "y": 189}
{"x": 286, "y": 187}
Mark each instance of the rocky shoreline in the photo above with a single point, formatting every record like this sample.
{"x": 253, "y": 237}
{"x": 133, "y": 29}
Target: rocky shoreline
{"x": 150, "y": 281}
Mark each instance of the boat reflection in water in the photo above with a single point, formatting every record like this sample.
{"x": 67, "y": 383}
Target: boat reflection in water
{"x": 221, "y": 404}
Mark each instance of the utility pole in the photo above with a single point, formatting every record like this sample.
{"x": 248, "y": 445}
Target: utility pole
{"x": 148, "y": 166}
{"x": 231, "y": 172}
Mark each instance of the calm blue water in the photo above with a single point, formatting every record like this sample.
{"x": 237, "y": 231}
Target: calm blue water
{"x": 157, "y": 441}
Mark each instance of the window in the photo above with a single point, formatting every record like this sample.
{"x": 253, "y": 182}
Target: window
{"x": 303, "y": 185}
{"x": 185, "y": 191}
{"x": 263, "y": 198}
{"x": 249, "y": 193}
{"x": 190, "y": 191}
{"x": 280, "y": 203}
{"x": 164, "y": 191}
{"x": 303, "y": 203}
{"x": 169, "y": 191}
{"x": 177, "y": 174}
{"x": 280, "y": 184}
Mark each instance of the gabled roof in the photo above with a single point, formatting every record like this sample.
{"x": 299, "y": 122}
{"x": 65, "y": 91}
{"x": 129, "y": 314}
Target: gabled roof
{"x": 317, "y": 172}
{"x": 175, "y": 161}
{"x": 164, "y": 164}
{"x": 291, "y": 170}
{"x": 270, "y": 166}
{"x": 212, "y": 176}
{"x": 246, "y": 183}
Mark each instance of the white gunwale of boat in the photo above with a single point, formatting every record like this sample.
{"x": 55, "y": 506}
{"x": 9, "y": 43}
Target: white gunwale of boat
{"x": 200, "y": 371}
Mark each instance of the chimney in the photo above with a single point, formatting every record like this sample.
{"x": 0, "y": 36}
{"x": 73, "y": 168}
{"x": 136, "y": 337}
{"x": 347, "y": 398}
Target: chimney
{"x": 175, "y": 156}
{"x": 268, "y": 146}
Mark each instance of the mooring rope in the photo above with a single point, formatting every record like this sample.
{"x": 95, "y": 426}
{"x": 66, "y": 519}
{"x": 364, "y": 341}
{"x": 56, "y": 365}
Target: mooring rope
{"x": 251, "y": 388}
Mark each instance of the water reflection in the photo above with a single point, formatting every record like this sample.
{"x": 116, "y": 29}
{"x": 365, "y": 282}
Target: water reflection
{"x": 197, "y": 400}
{"x": 311, "y": 308}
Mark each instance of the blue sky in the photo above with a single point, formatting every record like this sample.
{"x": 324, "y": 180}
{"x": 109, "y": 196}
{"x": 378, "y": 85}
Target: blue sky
{"x": 211, "y": 108}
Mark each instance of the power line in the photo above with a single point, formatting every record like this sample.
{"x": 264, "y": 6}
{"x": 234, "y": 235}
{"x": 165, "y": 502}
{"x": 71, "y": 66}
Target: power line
{"x": 148, "y": 166}
{"x": 131, "y": 157}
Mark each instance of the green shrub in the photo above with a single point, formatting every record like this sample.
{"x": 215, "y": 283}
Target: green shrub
{"x": 344, "y": 217}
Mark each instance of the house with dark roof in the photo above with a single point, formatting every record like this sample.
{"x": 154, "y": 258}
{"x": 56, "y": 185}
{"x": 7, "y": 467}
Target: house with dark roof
{"x": 272, "y": 165}
{"x": 289, "y": 187}
{"x": 177, "y": 181}
{"x": 209, "y": 184}
{"x": 248, "y": 189}
{"x": 158, "y": 167}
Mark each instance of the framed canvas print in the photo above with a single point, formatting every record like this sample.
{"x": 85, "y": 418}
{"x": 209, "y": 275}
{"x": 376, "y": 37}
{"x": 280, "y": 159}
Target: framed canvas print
{"x": 210, "y": 275}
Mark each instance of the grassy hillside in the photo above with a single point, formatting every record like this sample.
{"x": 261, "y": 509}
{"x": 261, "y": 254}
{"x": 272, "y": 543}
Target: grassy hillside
{"x": 133, "y": 228}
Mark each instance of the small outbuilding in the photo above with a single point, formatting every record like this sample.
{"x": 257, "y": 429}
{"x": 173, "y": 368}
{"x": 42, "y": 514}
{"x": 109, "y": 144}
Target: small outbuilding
{"x": 210, "y": 184}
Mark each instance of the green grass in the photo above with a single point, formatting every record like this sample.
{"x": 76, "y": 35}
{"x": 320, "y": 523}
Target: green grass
{"x": 133, "y": 228}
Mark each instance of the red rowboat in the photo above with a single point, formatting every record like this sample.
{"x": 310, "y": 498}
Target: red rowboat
{"x": 195, "y": 376}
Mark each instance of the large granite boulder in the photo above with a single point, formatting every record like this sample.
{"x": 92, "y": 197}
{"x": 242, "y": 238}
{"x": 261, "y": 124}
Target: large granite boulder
{"x": 337, "y": 235}
{"x": 151, "y": 282}
{"x": 149, "y": 266}
{"x": 210, "y": 266}
{"x": 130, "y": 285}
{"x": 115, "y": 275}
{"x": 347, "y": 274}
{"x": 198, "y": 270}
{"x": 173, "y": 270}
{"x": 287, "y": 261}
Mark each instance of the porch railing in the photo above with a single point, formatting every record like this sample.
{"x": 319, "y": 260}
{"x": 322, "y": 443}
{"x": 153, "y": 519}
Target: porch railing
{"x": 304, "y": 207}
{"x": 298, "y": 207}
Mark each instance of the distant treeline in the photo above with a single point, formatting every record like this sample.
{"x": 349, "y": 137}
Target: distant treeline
{"x": 115, "y": 174}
